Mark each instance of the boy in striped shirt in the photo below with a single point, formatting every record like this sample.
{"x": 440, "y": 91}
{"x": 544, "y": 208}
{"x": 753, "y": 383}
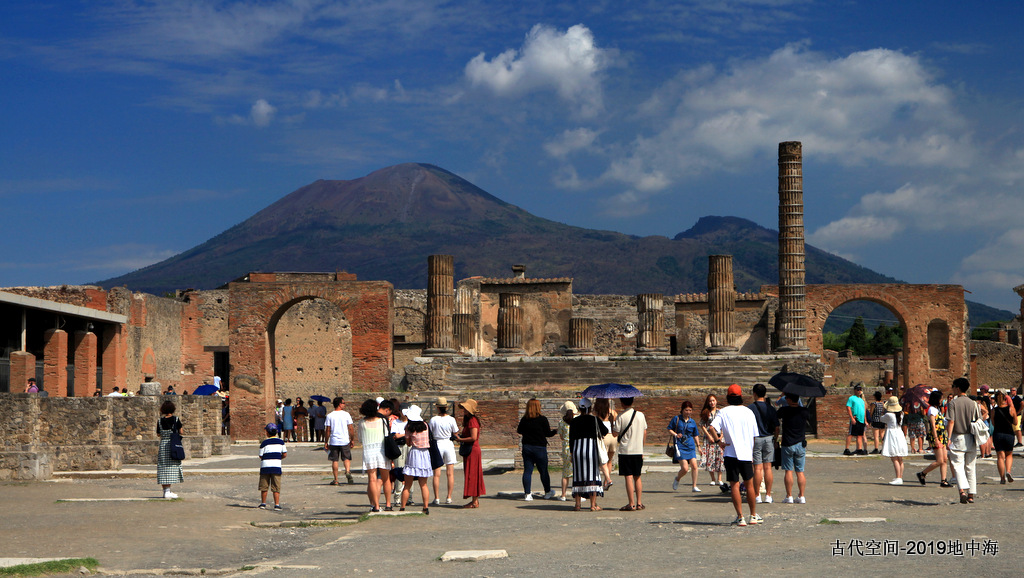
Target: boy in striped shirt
{"x": 272, "y": 451}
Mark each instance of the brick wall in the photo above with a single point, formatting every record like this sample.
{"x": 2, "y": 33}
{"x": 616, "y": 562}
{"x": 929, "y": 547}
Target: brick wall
{"x": 997, "y": 364}
{"x": 313, "y": 346}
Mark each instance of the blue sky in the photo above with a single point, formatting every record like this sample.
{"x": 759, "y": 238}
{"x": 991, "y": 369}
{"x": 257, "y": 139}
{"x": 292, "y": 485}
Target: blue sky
{"x": 131, "y": 131}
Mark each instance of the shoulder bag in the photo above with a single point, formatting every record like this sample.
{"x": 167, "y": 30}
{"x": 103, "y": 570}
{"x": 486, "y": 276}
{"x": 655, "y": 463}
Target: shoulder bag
{"x": 979, "y": 429}
{"x": 177, "y": 450}
{"x": 670, "y": 449}
{"x": 392, "y": 450}
{"x": 602, "y": 451}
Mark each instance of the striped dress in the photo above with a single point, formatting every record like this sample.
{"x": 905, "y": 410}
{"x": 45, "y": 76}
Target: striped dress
{"x": 585, "y": 432}
{"x": 168, "y": 471}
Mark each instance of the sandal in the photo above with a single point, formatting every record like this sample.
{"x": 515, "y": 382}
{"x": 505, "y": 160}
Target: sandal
{"x": 963, "y": 498}
{"x": 641, "y": 507}
{"x": 575, "y": 508}
{"x": 426, "y": 511}
{"x": 626, "y": 508}
{"x": 595, "y": 509}
{"x": 945, "y": 484}
{"x": 470, "y": 505}
{"x": 970, "y": 499}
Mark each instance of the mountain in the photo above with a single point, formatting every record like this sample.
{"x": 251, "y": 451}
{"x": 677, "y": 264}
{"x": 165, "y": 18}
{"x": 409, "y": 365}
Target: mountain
{"x": 384, "y": 225}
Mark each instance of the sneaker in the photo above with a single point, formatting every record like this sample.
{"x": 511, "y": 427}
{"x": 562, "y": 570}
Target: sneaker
{"x": 757, "y": 500}
{"x": 896, "y": 482}
{"x": 801, "y": 500}
{"x": 349, "y": 478}
{"x": 262, "y": 506}
{"x": 675, "y": 485}
{"x": 447, "y": 500}
{"x": 767, "y": 498}
{"x": 561, "y": 498}
{"x": 861, "y": 452}
{"x": 756, "y": 519}
{"x": 528, "y": 497}
{"x": 739, "y": 521}
{"x": 549, "y": 495}
{"x": 278, "y": 507}
{"x": 1009, "y": 478}
{"x": 714, "y": 484}
{"x": 875, "y": 451}
{"x": 788, "y": 500}
{"x": 847, "y": 452}
{"x": 170, "y": 496}
{"x": 695, "y": 489}
{"x": 436, "y": 502}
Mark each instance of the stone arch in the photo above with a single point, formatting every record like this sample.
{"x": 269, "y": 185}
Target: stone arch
{"x": 310, "y": 349}
{"x": 915, "y": 307}
{"x": 255, "y": 308}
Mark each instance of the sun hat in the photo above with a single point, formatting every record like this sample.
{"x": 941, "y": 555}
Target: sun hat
{"x": 735, "y": 389}
{"x": 893, "y": 404}
{"x": 413, "y": 412}
{"x": 379, "y": 400}
{"x": 585, "y": 403}
{"x": 469, "y": 405}
{"x": 570, "y": 406}
{"x": 442, "y": 401}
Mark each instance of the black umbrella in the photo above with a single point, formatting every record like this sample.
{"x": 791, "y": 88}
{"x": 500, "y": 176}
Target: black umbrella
{"x": 322, "y": 398}
{"x": 797, "y": 384}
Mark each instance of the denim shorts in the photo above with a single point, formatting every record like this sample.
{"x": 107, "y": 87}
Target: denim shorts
{"x": 793, "y": 457}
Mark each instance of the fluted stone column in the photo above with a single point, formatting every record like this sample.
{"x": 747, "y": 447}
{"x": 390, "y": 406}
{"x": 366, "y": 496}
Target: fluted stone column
{"x": 650, "y": 338}
{"x": 437, "y": 329}
{"x": 510, "y": 324}
{"x": 581, "y": 336}
{"x": 792, "y": 291}
{"x": 721, "y": 305}
{"x": 465, "y": 332}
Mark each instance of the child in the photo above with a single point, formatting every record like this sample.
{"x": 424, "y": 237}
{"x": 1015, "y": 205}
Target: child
{"x": 272, "y": 451}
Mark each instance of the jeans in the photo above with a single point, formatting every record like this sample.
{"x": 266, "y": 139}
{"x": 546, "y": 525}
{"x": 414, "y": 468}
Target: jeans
{"x": 535, "y": 455}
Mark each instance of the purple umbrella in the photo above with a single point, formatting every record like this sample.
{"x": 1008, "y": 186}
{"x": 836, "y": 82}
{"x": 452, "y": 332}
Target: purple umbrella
{"x": 611, "y": 391}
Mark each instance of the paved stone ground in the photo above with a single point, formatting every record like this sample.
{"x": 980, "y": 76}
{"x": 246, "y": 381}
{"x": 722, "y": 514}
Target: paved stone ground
{"x": 215, "y": 527}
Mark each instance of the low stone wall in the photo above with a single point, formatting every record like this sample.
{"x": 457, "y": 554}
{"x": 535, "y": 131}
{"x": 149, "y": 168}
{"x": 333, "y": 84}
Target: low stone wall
{"x": 40, "y": 435}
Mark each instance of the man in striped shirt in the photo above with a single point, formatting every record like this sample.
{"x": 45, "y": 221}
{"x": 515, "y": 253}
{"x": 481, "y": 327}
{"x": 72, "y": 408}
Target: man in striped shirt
{"x": 272, "y": 451}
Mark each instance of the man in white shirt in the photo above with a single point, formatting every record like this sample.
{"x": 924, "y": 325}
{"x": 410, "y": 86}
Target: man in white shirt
{"x": 736, "y": 427}
{"x": 338, "y": 433}
{"x": 442, "y": 427}
{"x": 631, "y": 429}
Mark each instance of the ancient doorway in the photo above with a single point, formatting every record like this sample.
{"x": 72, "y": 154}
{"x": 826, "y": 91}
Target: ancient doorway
{"x": 310, "y": 349}
{"x": 869, "y": 340}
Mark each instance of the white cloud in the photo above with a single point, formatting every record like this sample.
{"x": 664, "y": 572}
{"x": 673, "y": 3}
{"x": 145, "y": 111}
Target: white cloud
{"x": 854, "y": 231}
{"x": 569, "y": 63}
{"x": 626, "y": 204}
{"x": 570, "y": 141}
{"x": 262, "y": 113}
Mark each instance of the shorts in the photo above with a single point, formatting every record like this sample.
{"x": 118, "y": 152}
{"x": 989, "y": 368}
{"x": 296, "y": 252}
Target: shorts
{"x": 764, "y": 450}
{"x": 270, "y": 482}
{"x": 1002, "y": 442}
{"x": 793, "y": 457}
{"x": 342, "y": 452}
{"x": 856, "y": 429}
{"x": 877, "y": 425}
{"x": 448, "y": 454}
{"x": 735, "y": 469}
{"x": 630, "y": 465}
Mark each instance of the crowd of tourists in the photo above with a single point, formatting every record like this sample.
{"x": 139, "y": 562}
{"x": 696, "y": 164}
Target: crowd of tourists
{"x": 402, "y": 450}
{"x": 957, "y": 428}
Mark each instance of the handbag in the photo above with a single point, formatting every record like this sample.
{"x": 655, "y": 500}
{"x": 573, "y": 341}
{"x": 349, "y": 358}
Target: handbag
{"x": 177, "y": 450}
{"x": 777, "y": 453}
{"x": 465, "y": 449}
{"x": 670, "y": 448}
{"x": 980, "y": 430}
{"x": 392, "y": 450}
{"x": 602, "y": 451}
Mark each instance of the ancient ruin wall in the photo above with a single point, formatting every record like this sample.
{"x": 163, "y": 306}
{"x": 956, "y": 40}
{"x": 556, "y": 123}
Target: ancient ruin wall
{"x": 313, "y": 351}
{"x": 997, "y": 364}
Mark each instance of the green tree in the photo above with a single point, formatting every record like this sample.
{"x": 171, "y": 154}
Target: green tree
{"x": 834, "y": 341}
{"x": 857, "y": 339}
{"x": 886, "y": 340}
{"x": 985, "y": 331}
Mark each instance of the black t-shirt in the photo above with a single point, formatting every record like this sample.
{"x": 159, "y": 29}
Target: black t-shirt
{"x": 794, "y": 424}
{"x": 535, "y": 430}
{"x": 765, "y": 416}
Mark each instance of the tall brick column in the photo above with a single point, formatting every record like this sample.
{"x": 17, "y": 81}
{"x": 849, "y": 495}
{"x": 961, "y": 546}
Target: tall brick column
{"x": 85, "y": 363}
{"x": 23, "y": 366}
{"x": 462, "y": 321}
{"x": 650, "y": 338}
{"x": 115, "y": 367}
{"x": 721, "y": 305}
{"x": 581, "y": 336}
{"x": 792, "y": 307}
{"x": 439, "y": 335}
{"x": 510, "y": 325}
{"x": 1019, "y": 290}
{"x": 55, "y": 362}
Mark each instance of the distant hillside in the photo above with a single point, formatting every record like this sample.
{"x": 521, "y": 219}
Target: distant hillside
{"x": 384, "y": 225}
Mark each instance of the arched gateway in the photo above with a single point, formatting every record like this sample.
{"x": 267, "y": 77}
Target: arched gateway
{"x": 934, "y": 318}
{"x": 259, "y": 300}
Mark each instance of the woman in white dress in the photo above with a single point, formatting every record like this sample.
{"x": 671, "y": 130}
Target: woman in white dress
{"x": 372, "y": 430}
{"x": 894, "y": 446}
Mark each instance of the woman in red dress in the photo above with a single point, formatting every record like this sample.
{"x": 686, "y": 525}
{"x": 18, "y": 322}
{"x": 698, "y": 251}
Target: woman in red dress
{"x": 473, "y": 463}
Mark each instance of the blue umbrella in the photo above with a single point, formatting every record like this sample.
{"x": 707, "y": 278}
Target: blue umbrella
{"x": 322, "y": 398}
{"x": 205, "y": 389}
{"x": 611, "y": 391}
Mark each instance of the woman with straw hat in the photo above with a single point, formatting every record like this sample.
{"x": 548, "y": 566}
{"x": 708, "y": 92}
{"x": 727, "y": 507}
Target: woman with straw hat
{"x": 894, "y": 446}
{"x": 473, "y": 486}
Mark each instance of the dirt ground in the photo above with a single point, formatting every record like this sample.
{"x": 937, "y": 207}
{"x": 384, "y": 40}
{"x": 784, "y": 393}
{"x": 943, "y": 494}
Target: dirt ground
{"x": 215, "y": 528}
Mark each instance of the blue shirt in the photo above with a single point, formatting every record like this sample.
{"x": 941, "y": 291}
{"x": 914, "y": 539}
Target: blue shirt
{"x": 272, "y": 450}
{"x": 689, "y": 430}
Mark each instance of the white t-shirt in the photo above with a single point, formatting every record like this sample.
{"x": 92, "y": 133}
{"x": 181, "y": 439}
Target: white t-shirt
{"x": 632, "y": 443}
{"x": 738, "y": 427}
{"x": 442, "y": 427}
{"x": 338, "y": 420}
